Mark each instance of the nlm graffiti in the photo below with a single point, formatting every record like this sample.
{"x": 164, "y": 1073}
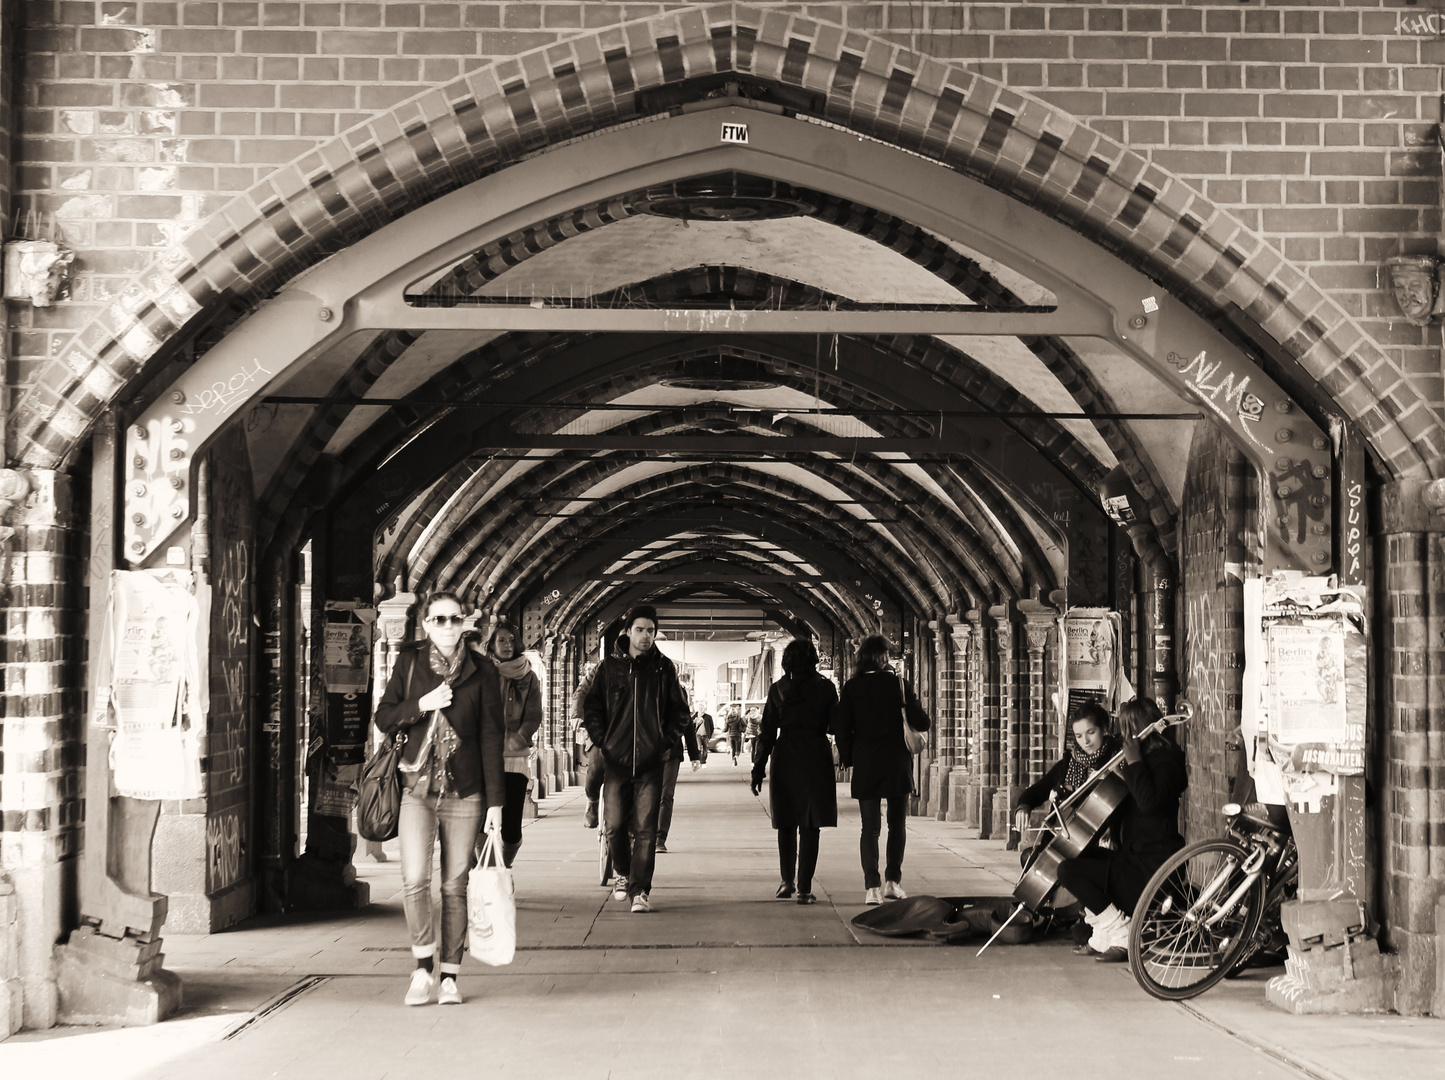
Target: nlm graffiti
{"x": 1224, "y": 391}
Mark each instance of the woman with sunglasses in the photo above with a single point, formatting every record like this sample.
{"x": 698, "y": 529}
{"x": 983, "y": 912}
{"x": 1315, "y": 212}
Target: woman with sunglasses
{"x": 446, "y": 700}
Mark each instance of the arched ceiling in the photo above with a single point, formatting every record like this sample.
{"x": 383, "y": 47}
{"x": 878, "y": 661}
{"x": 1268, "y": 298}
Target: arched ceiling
{"x": 847, "y": 479}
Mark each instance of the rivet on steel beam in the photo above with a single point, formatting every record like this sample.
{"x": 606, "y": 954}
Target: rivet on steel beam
{"x": 138, "y": 490}
{"x": 1320, "y": 558}
{"x": 138, "y": 519}
{"x": 1283, "y": 464}
{"x": 1282, "y": 406}
{"x": 138, "y": 462}
{"x": 1283, "y": 523}
{"x": 1320, "y": 472}
{"x": 178, "y": 512}
{"x": 177, "y": 482}
{"x": 1319, "y": 528}
{"x": 1321, "y": 443}
{"x": 324, "y": 314}
{"x": 1138, "y": 322}
{"x": 177, "y": 453}
{"x": 139, "y": 432}
{"x": 178, "y": 397}
{"x": 1317, "y": 500}
{"x": 137, "y": 545}
{"x": 1281, "y": 493}
{"x": 178, "y": 426}
{"x": 1284, "y": 434}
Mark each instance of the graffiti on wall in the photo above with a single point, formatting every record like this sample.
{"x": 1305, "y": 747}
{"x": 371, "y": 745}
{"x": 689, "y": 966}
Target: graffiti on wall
{"x": 225, "y": 849}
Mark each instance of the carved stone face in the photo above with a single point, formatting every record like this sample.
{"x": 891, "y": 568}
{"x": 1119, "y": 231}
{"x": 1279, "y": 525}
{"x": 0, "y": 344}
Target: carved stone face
{"x": 1413, "y": 279}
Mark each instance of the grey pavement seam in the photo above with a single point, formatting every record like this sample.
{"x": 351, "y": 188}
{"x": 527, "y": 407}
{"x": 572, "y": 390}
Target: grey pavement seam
{"x": 276, "y": 1004}
{"x": 1275, "y": 1053}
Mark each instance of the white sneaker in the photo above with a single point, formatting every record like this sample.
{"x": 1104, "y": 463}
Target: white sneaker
{"x": 448, "y": 994}
{"x": 619, "y": 889}
{"x": 641, "y": 904}
{"x": 893, "y": 891}
{"x": 422, "y": 983}
{"x": 873, "y": 896}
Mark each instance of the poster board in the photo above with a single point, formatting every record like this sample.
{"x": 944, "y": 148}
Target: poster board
{"x": 152, "y": 688}
{"x": 1092, "y": 660}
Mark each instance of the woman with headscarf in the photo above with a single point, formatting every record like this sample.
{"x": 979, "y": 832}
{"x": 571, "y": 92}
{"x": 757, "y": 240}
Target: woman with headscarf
{"x": 522, "y": 711}
{"x": 868, "y": 724}
{"x": 444, "y": 700}
{"x": 802, "y": 795}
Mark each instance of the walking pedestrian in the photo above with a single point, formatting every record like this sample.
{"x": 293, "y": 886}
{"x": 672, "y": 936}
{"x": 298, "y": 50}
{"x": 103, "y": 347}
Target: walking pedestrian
{"x": 802, "y": 796}
{"x": 868, "y": 724}
{"x": 635, "y": 712}
{"x": 591, "y": 752}
{"x": 447, "y": 701}
{"x": 734, "y": 728}
{"x": 671, "y": 767}
{"x": 522, "y": 710}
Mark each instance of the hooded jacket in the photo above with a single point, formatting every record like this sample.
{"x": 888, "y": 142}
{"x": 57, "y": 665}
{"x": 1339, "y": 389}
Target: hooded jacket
{"x": 636, "y": 711}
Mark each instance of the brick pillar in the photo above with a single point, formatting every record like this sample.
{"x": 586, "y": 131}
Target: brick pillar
{"x": 989, "y": 753}
{"x": 1009, "y": 734}
{"x": 961, "y": 795}
{"x": 1038, "y": 622}
{"x": 40, "y": 730}
{"x": 944, "y": 737}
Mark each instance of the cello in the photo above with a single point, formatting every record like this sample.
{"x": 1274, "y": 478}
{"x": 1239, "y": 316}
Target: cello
{"x": 1075, "y": 823}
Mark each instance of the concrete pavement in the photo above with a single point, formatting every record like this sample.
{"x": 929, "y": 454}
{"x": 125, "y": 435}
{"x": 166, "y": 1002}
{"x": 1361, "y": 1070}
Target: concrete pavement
{"x": 720, "y": 981}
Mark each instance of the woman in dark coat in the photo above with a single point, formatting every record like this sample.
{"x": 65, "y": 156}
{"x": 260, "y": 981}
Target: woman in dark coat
{"x": 445, "y": 700}
{"x": 794, "y": 734}
{"x": 868, "y": 724}
{"x": 1146, "y": 829}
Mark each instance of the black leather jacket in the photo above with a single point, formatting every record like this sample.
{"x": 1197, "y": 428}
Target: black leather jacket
{"x": 636, "y": 711}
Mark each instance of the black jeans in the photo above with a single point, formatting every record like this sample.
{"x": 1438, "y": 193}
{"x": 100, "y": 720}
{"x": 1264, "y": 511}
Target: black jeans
{"x": 1087, "y": 877}
{"x": 799, "y": 848}
{"x": 670, "y": 770}
{"x": 592, "y": 786}
{"x": 632, "y": 805}
{"x": 514, "y": 798}
{"x": 872, "y": 810}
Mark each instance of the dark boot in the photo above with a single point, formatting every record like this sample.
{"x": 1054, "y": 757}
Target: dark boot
{"x": 589, "y": 816}
{"x": 509, "y": 852}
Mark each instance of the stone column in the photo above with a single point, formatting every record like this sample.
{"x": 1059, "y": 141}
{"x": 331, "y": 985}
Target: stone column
{"x": 1038, "y": 622}
{"x": 944, "y": 736}
{"x": 1009, "y": 733}
{"x": 987, "y": 752}
{"x": 961, "y": 806}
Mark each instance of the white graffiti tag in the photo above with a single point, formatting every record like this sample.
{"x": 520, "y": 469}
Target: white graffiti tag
{"x": 224, "y": 394}
{"x": 1218, "y": 389}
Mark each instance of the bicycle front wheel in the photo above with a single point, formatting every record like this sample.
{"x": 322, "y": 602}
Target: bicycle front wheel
{"x": 604, "y": 856}
{"x": 1192, "y": 922}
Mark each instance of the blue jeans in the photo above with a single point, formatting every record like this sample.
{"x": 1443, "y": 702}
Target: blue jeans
{"x": 457, "y": 821}
{"x": 632, "y": 805}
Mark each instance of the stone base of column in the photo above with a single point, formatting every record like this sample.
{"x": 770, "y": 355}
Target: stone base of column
{"x": 938, "y": 791}
{"x": 314, "y": 884}
{"x": 959, "y": 793}
{"x": 999, "y": 815}
{"x": 12, "y": 993}
{"x": 1333, "y": 967}
{"x": 114, "y": 981}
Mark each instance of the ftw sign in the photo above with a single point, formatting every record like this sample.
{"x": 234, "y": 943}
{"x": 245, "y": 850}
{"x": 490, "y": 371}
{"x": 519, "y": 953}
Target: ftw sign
{"x": 735, "y": 133}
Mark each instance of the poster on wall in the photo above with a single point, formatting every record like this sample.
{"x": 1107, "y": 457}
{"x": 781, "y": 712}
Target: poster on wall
{"x": 348, "y": 649}
{"x": 1092, "y": 660}
{"x": 346, "y": 718}
{"x": 1306, "y": 681}
{"x": 150, "y": 688}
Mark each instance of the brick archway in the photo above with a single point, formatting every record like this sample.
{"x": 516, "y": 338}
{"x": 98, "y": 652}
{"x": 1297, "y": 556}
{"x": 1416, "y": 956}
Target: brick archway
{"x": 452, "y": 135}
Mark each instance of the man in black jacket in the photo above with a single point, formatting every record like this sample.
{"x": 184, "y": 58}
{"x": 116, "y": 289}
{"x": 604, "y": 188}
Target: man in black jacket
{"x": 635, "y": 713}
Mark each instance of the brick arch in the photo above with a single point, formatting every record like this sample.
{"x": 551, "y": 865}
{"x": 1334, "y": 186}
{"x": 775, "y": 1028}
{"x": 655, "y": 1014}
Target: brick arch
{"x": 449, "y": 136}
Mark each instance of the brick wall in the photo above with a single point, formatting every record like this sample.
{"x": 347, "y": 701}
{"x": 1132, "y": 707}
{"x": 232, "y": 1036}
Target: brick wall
{"x": 1211, "y": 667}
{"x": 1314, "y": 127}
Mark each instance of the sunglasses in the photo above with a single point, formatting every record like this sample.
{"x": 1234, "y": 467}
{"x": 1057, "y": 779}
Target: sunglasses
{"x": 447, "y": 620}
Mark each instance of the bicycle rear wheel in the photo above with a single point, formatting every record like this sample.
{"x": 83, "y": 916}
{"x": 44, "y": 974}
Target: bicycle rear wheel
{"x": 604, "y": 855}
{"x": 1186, "y": 935}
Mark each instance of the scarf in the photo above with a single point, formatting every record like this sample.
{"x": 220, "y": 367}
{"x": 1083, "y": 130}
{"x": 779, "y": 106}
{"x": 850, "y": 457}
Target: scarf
{"x": 1082, "y": 765}
{"x": 515, "y": 668}
{"x": 440, "y": 741}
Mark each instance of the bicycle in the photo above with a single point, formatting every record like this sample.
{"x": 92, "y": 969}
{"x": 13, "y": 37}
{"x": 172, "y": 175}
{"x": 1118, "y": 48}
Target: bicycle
{"x": 1212, "y": 907}
{"x": 604, "y": 852}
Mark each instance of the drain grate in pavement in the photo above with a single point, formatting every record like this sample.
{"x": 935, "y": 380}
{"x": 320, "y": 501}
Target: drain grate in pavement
{"x": 622, "y": 948}
{"x": 280, "y": 1001}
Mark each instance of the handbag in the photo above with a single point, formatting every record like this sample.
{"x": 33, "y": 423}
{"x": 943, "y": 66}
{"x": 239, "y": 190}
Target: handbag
{"x": 913, "y": 739}
{"x": 491, "y": 908}
{"x": 378, "y": 791}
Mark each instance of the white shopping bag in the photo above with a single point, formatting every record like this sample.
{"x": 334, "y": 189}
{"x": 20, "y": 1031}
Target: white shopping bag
{"x": 491, "y": 911}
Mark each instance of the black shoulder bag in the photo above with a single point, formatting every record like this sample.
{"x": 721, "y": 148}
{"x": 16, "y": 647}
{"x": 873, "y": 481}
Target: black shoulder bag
{"x": 378, "y": 792}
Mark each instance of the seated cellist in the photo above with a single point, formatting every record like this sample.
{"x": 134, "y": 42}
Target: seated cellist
{"x": 1146, "y": 831}
{"x": 1091, "y": 746}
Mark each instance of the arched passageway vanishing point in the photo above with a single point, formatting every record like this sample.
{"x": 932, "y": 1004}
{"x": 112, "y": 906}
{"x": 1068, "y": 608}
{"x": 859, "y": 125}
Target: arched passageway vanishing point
{"x": 775, "y": 325}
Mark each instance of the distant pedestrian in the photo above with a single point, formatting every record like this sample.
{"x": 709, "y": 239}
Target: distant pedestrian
{"x": 447, "y": 701}
{"x": 522, "y": 710}
{"x": 635, "y": 712}
{"x": 802, "y": 795}
{"x": 734, "y": 728}
{"x": 868, "y": 724}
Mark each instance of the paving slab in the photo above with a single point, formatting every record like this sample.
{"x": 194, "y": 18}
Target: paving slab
{"x": 721, "y": 980}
